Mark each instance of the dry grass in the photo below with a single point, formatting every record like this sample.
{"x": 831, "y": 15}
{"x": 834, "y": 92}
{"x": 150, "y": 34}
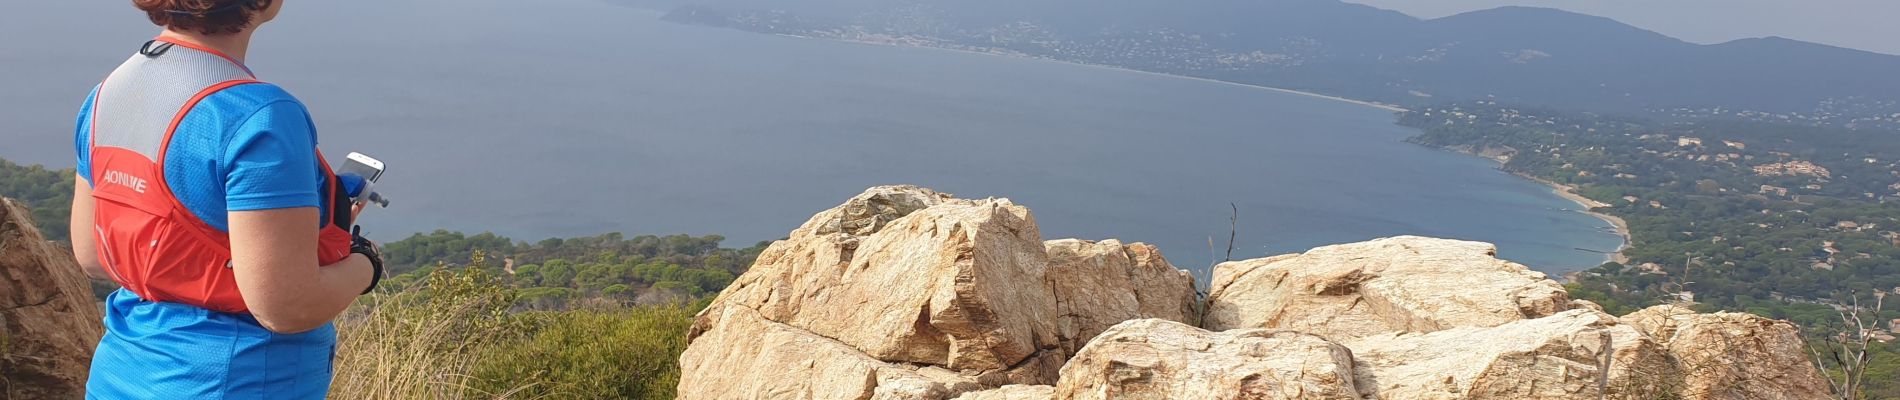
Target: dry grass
{"x": 458, "y": 334}
{"x": 423, "y": 343}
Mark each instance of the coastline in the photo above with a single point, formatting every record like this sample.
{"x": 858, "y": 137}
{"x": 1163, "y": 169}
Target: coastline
{"x": 1569, "y": 192}
{"x": 1378, "y": 105}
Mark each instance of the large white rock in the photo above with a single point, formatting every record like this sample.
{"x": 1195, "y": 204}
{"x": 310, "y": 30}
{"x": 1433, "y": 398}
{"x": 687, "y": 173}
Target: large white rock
{"x": 905, "y": 293}
{"x": 1400, "y": 284}
{"x": 1013, "y": 392}
{"x": 1160, "y": 359}
{"x": 1733, "y": 355}
{"x": 1100, "y": 284}
{"x": 900, "y": 293}
{"x": 749, "y": 357}
{"x": 1555, "y": 357}
{"x": 957, "y": 283}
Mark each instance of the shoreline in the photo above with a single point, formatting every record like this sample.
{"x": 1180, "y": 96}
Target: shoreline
{"x": 1378, "y": 105}
{"x": 1569, "y": 192}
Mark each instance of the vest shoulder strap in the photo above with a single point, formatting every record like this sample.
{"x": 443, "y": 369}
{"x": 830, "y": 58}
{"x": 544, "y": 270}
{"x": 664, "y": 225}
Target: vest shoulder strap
{"x": 138, "y": 106}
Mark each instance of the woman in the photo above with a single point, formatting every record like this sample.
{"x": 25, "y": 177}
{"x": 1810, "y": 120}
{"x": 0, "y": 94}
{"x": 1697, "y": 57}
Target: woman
{"x": 202, "y": 193}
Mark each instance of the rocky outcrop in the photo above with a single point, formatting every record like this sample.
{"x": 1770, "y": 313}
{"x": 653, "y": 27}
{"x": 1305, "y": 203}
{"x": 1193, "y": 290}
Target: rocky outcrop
{"x": 750, "y": 357}
{"x": 956, "y": 283}
{"x": 1555, "y": 357}
{"x": 48, "y": 321}
{"x": 1160, "y": 359}
{"x": 1012, "y": 392}
{"x": 1401, "y": 284}
{"x": 916, "y": 293}
{"x": 1733, "y": 355}
{"x": 1099, "y": 284}
{"x": 905, "y": 293}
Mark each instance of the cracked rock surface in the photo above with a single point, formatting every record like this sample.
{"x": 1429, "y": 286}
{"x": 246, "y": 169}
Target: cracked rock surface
{"x": 927, "y": 295}
{"x": 49, "y": 323}
{"x": 906, "y": 293}
{"x": 1401, "y": 284}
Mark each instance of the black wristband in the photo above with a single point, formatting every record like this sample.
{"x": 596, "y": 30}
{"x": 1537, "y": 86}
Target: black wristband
{"x": 361, "y": 245}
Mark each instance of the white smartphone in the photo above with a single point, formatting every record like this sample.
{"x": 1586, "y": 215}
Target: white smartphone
{"x": 362, "y": 165}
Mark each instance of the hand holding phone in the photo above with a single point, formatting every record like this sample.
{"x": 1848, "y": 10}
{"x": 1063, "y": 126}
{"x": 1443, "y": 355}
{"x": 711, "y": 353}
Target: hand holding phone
{"x": 369, "y": 169}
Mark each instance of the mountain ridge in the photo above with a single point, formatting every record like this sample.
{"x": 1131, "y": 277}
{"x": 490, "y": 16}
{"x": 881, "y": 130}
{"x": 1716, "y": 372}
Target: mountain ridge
{"x": 1534, "y": 56}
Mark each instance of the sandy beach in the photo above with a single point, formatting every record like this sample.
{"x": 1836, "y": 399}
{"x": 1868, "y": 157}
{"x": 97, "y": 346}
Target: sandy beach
{"x": 1589, "y": 207}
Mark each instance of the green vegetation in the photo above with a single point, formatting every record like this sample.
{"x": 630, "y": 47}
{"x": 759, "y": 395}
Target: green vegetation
{"x": 592, "y": 353}
{"x": 455, "y": 333}
{"x": 424, "y": 341}
{"x": 552, "y": 273}
{"x": 1785, "y": 221}
{"x": 48, "y": 193}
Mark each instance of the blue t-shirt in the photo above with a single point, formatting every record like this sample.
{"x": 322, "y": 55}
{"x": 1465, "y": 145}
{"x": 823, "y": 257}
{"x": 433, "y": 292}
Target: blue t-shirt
{"x": 247, "y": 148}
{"x": 240, "y": 149}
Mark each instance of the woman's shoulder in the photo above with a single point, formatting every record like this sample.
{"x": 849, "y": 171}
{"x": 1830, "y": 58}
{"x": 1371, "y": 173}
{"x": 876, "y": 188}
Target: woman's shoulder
{"x": 251, "y": 97}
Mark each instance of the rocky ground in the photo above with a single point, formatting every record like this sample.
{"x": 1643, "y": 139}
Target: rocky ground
{"x": 48, "y": 321}
{"x": 906, "y": 293}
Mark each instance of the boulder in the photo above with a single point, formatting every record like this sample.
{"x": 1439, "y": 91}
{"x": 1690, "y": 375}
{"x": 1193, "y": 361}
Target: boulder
{"x": 910, "y": 279}
{"x": 1555, "y": 357}
{"x": 958, "y": 283}
{"x": 1100, "y": 284}
{"x": 750, "y": 357}
{"x": 1013, "y": 392}
{"x": 49, "y": 322}
{"x": 1733, "y": 355}
{"x": 1393, "y": 285}
{"x": 1160, "y": 359}
{"x": 906, "y": 293}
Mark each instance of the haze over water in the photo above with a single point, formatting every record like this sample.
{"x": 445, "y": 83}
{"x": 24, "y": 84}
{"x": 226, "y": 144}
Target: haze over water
{"x": 577, "y": 117}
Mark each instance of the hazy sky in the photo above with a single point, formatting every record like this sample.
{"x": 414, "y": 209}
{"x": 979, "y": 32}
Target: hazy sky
{"x": 1872, "y": 25}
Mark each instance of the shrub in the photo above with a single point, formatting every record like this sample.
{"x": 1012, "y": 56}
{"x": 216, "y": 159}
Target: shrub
{"x": 455, "y": 333}
{"x": 420, "y": 343}
{"x": 602, "y": 353}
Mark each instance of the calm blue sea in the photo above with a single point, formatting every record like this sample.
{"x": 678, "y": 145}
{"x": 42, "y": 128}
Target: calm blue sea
{"x": 575, "y": 117}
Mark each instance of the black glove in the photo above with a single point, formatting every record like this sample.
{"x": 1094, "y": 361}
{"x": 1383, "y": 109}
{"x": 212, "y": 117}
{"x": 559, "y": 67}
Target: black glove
{"x": 361, "y": 245}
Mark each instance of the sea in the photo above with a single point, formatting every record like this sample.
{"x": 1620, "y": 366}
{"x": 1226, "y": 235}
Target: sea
{"x": 558, "y": 118}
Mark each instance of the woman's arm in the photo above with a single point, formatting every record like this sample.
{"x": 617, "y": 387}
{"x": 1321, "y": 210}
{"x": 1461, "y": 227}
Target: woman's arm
{"x": 274, "y": 256}
{"x": 80, "y": 228}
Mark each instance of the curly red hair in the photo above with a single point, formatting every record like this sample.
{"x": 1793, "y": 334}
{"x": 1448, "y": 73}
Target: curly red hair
{"x": 210, "y": 17}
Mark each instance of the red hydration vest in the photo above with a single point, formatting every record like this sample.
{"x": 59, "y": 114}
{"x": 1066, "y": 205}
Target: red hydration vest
{"x": 148, "y": 241}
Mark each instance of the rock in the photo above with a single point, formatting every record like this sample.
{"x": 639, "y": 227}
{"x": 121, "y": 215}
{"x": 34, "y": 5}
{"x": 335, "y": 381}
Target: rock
{"x": 1581, "y": 304}
{"x": 903, "y": 293}
{"x": 924, "y": 287}
{"x": 953, "y": 289}
{"x": 49, "y": 322}
{"x": 1013, "y": 392}
{"x": 1100, "y": 284}
{"x": 871, "y": 211}
{"x": 749, "y": 357}
{"x": 1733, "y": 355}
{"x": 1555, "y": 357}
{"x": 1160, "y": 359}
{"x": 1401, "y": 284}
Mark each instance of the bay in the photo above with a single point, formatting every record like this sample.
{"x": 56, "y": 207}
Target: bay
{"x": 577, "y": 117}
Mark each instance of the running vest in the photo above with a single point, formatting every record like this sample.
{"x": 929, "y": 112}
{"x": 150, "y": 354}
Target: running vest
{"x": 148, "y": 240}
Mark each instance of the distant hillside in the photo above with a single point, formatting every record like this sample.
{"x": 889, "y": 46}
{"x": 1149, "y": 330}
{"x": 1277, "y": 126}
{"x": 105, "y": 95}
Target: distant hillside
{"x": 1522, "y": 55}
{"x": 48, "y": 193}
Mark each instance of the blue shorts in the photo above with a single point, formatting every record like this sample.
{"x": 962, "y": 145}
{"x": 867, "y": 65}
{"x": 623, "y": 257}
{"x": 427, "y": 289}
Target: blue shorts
{"x": 175, "y": 351}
